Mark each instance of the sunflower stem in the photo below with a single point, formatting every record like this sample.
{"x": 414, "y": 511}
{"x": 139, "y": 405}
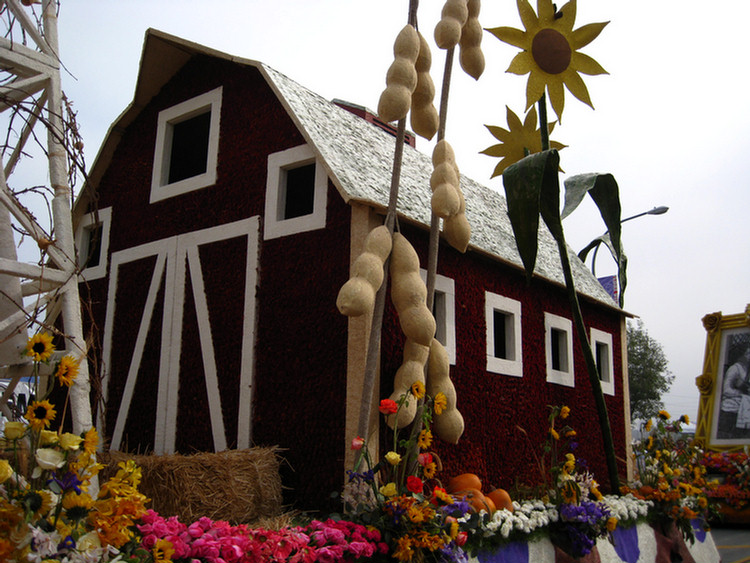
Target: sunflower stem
{"x": 543, "y": 126}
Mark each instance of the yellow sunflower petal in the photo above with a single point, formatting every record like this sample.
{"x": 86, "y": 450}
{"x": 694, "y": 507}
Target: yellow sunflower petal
{"x": 585, "y": 64}
{"x": 535, "y": 89}
{"x": 546, "y": 10}
{"x": 567, "y": 17}
{"x": 513, "y": 122}
{"x": 577, "y": 86}
{"x": 500, "y": 168}
{"x": 556, "y": 96}
{"x": 498, "y": 132}
{"x": 530, "y": 121}
{"x": 528, "y": 16}
{"x": 511, "y": 36}
{"x": 495, "y": 150}
{"x": 586, "y": 34}
{"x": 522, "y": 63}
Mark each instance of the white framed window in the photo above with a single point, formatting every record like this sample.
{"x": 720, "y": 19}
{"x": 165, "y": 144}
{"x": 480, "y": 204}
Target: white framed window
{"x": 503, "y": 319}
{"x": 558, "y": 340}
{"x": 444, "y": 311}
{"x": 92, "y": 243}
{"x": 187, "y": 146}
{"x": 296, "y": 190}
{"x": 601, "y": 346}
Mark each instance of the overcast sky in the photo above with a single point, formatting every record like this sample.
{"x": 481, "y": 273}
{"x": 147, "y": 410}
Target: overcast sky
{"x": 670, "y": 123}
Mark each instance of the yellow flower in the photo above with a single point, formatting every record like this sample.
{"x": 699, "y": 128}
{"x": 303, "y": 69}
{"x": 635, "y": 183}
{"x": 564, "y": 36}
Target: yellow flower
{"x": 553, "y": 433}
{"x": 163, "y": 551}
{"x": 404, "y": 551}
{"x": 564, "y": 412}
{"x": 393, "y": 458}
{"x": 425, "y": 439}
{"x": 14, "y": 430}
{"x": 685, "y": 419}
{"x": 415, "y": 514}
{"x": 40, "y": 347}
{"x": 550, "y": 52}
{"x": 67, "y": 370}
{"x": 70, "y": 441}
{"x": 440, "y": 403}
{"x": 417, "y": 389}
{"x": 649, "y": 424}
{"x": 389, "y": 490}
{"x": 48, "y": 437}
{"x": 6, "y": 471}
{"x": 664, "y": 415}
{"x": 40, "y": 414}
{"x": 429, "y": 470}
{"x": 90, "y": 441}
{"x": 518, "y": 141}
{"x": 570, "y": 434}
{"x": 611, "y": 524}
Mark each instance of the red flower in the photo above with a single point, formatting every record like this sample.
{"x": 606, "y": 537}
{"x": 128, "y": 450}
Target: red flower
{"x": 461, "y": 538}
{"x": 388, "y": 406}
{"x": 357, "y": 443}
{"x": 424, "y": 459}
{"x": 414, "y": 484}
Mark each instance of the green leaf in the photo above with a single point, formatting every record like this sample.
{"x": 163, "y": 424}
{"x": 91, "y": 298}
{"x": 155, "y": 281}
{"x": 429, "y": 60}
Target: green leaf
{"x": 576, "y": 188}
{"x": 527, "y": 190}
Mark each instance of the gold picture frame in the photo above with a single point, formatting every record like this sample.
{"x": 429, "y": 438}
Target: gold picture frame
{"x": 724, "y": 406}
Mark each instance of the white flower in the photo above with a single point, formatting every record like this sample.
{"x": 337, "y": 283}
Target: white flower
{"x": 50, "y": 459}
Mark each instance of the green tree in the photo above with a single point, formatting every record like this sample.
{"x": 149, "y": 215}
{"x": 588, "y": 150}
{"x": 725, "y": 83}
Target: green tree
{"x": 648, "y": 372}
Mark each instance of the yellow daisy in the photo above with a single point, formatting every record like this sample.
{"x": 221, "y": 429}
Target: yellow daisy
{"x": 40, "y": 414}
{"x": 518, "y": 141}
{"x": 550, "y": 52}
{"x": 40, "y": 347}
{"x": 67, "y": 370}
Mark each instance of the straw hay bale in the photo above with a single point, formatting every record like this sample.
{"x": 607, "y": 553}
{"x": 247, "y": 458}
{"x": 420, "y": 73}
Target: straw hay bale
{"x": 239, "y": 486}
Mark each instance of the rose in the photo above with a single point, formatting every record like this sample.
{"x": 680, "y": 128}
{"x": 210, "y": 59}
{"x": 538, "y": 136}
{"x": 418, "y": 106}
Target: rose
{"x": 461, "y": 538}
{"x": 414, "y": 484}
{"x": 357, "y": 443}
{"x": 5, "y": 470}
{"x": 49, "y": 459}
{"x": 14, "y": 430}
{"x": 424, "y": 459}
{"x": 393, "y": 458}
{"x": 389, "y": 490}
{"x": 47, "y": 437}
{"x": 388, "y": 406}
{"x": 70, "y": 441}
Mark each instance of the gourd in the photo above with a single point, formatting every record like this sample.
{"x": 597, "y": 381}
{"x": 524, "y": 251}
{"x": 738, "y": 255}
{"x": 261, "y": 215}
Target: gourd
{"x": 444, "y": 181}
{"x": 409, "y": 294}
{"x": 357, "y": 295}
{"x": 502, "y": 499}
{"x": 456, "y": 228}
{"x": 470, "y": 54}
{"x": 424, "y": 116}
{"x": 401, "y": 79}
{"x": 453, "y": 17}
{"x": 463, "y": 482}
{"x": 449, "y": 424}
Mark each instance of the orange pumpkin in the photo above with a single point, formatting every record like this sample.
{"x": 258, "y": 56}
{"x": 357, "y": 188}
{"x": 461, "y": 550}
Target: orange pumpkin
{"x": 501, "y": 498}
{"x": 476, "y": 500}
{"x": 464, "y": 482}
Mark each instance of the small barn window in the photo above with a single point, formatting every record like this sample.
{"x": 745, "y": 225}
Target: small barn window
{"x": 601, "y": 344}
{"x": 559, "y": 350}
{"x": 503, "y": 319}
{"x": 296, "y": 189}
{"x": 444, "y": 311}
{"x": 187, "y": 146}
{"x": 92, "y": 243}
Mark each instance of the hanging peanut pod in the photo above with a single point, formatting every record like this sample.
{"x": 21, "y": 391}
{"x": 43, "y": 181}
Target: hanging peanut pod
{"x": 424, "y": 117}
{"x": 456, "y": 229}
{"x": 444, "y": 181}
{"x": 470, "y": 54}
{"x": 357, "y": 296}
{"x": 449, "y": 424}
{"x": 401, "y": 79}
{"x": 448, "y": 29}
{"x": 409, "y": 293}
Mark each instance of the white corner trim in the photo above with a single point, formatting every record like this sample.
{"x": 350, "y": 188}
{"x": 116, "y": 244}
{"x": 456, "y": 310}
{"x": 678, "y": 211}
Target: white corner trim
{"x": 160, "y": 189}
{"x": 274, "y": 225}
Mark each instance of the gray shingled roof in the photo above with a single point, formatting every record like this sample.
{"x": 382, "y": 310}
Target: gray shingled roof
{"x": 359, "y": 158}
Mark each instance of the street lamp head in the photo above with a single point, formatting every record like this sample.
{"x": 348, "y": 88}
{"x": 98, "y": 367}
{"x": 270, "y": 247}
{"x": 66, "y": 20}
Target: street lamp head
{"x": 661, "y": 210}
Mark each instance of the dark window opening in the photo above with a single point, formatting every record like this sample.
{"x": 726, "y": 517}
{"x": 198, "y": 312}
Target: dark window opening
{"x": 500, "y": 325}
{"x": 189, "y": 154}
{"x": 299, "y": 192}
{"x": 93, "y": 246}
{"x": 602, "y": 360}
{"x": 559, "y": 349}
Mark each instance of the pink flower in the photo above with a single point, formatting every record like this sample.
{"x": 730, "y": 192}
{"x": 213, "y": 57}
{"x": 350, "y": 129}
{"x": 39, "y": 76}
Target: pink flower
{"x": 424, "y": 459}
{"x": 357, "y": 443}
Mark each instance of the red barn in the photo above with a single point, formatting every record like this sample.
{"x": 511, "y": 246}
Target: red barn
{"x": 218, "y": 224}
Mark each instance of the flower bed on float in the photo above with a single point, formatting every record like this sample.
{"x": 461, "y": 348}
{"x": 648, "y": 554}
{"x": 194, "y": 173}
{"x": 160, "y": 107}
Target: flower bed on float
{"x": 393, "y": 509}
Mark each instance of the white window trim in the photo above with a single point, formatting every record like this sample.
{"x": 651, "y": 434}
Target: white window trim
{"x": 494, "y": 302}
{"x": 159, "y": 188}
{"x": 274, "y": 226}
{"x": 447, "y": 287}
{"x": 104, "y": 218}
{"x": 559, "y": 377}
{"x": 607, "y": 379}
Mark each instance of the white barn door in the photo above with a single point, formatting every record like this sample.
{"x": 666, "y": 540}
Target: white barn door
{"x": 171, "y": 280}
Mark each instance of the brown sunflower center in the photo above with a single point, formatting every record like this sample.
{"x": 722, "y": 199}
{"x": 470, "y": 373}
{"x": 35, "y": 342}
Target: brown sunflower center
{"x": 39, "y": 347}
{"x": 551, "y": 51}
{"x": 40, "y": 412}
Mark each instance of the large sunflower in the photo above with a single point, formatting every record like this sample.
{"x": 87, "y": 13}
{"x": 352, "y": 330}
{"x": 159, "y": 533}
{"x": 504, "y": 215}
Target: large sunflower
{"x": 518, "y": 141}
{"x": 40, "y": 414}
{"x": 550, "y": 52}
{"x": 39, "y": 347}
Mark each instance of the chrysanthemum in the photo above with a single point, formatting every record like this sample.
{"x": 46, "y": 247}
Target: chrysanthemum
{"x": 67, "y": 370}
{"x": 550, "y": 52}
{"x": 40, "y": 347}
{"x": 518, "y": 141}
{"x": 40, "y": 414}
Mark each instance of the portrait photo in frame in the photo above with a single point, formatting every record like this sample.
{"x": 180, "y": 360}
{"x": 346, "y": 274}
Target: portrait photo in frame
{"x": 724, "y": 406}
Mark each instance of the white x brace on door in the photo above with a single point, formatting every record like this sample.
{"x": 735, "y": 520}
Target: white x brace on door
{"x": 177, "y": 259}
